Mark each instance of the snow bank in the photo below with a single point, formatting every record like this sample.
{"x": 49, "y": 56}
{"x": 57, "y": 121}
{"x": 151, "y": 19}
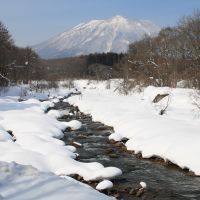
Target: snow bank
{"x": 4, "y": 135}
{"x": 24, "y": 91}
{"x": 25, "y": 182}
{"x": 37, "y": 140}
{"x": 174, "y": 136}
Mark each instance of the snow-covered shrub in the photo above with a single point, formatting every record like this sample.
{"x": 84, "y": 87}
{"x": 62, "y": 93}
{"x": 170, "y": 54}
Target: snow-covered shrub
{"x": 40, "y": 86}
{"x": 129, "y": 85}
{"x": 23, "y": 91}
{"x": 53, "y": 85}
{"x": 108, "y": 84}
{"x": 195, "y": 98}
{"x": 68, "y": 84}
{"x": 162, "y": 102}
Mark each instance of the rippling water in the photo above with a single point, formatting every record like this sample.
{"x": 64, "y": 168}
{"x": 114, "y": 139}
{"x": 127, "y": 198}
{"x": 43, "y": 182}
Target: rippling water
{"x": 163, "y": 182}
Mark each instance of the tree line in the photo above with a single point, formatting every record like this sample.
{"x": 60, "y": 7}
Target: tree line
{"x": 16, "y": 64}
{"x": 23, "y": 64}
{"x": 170, "y": 58}
{"x": 96, "y": 66}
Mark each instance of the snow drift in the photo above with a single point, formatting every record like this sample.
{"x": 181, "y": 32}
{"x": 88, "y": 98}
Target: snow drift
{"x": 174, "y": 136}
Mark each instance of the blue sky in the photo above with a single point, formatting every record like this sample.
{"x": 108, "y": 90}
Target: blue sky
{"x": 33, "y": 21}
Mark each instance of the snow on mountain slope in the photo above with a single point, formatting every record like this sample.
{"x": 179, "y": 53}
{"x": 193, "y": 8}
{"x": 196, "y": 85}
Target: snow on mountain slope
{"x": 114, "y": 35}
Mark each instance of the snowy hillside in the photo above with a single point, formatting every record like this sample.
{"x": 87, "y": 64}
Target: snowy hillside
{"x": 114, "y": 35}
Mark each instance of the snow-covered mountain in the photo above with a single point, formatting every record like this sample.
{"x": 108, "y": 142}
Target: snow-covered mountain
{"x": 112, "y": 35}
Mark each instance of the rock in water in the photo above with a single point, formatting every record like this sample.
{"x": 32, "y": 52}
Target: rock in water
{"x": 103, "y": 185}
{"x": 143, "y": 184}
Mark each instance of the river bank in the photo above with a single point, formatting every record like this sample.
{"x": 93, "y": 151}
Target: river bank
{"x": 163, "y": 182}
{"x": 173, "y": 137}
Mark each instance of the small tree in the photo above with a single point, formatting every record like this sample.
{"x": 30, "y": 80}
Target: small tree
{"x": 6, "y": 49}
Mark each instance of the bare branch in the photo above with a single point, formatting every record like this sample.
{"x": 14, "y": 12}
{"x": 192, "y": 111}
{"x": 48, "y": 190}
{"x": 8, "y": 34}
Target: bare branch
{"x": 5, "y": 78}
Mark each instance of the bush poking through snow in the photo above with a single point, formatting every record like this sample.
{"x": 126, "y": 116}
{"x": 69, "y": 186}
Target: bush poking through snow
{"x": 195, "y": 98}
{"x": 126, "y": 86}
{"x": 68, "y": 84}
{"x": 158, "y": 98}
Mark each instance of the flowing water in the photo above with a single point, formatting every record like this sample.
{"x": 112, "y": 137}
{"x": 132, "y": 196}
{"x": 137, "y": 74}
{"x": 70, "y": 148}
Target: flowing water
{"x": 162, "y": 182}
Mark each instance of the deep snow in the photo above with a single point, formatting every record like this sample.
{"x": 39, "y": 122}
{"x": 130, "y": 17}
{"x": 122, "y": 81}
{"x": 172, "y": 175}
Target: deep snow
{"x": 18, "y": 182}
{"x": 38, "y": 144}
{"x": 174, "y": 136}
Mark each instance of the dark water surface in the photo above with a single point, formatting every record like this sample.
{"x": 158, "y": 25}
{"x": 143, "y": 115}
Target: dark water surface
{"x": 163, "y": 182}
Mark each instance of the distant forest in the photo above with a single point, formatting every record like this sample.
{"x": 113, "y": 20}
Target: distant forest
{"x": 173, "y": 56}
{"x": 95, "y": 66}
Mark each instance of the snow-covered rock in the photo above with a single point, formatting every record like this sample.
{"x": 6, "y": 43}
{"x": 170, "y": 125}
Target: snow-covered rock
{"x": 56, "y": 100}
{"x": 112, "y": 35}
{"x": 106, "y": 173}
{"x": 73, "y": 124}
{"x": 115, "y": 136}
{"x": 77, "y": 144}
{"x": 58, "y": 113}
{"x": 143, "y": 184}
{"x": 105, "y": 184}
{"x": 55, "y": 113}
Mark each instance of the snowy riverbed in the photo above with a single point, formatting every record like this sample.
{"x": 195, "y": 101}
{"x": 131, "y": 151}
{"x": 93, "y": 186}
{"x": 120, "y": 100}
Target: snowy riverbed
{"x": 174, "y": 136}
{"x": 38, "y": 156}
{"x": 38, "y": 145}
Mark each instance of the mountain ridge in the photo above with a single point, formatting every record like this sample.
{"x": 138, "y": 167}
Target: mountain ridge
{"x": 96, "y": 36}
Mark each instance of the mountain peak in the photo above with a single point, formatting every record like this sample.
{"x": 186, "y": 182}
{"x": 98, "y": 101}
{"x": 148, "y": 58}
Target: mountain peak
{"x": 119, "y": 18}
{"x": 97, "y": 36}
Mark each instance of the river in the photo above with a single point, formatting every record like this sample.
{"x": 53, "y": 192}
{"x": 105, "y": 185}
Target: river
{"x": 163, "y": 182}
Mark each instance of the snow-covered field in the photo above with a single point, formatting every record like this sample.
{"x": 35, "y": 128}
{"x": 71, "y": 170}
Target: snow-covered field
{"x": 38, "y": 144}
{"x": 174, "y": 136}
{"x": 36, "y": 164}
